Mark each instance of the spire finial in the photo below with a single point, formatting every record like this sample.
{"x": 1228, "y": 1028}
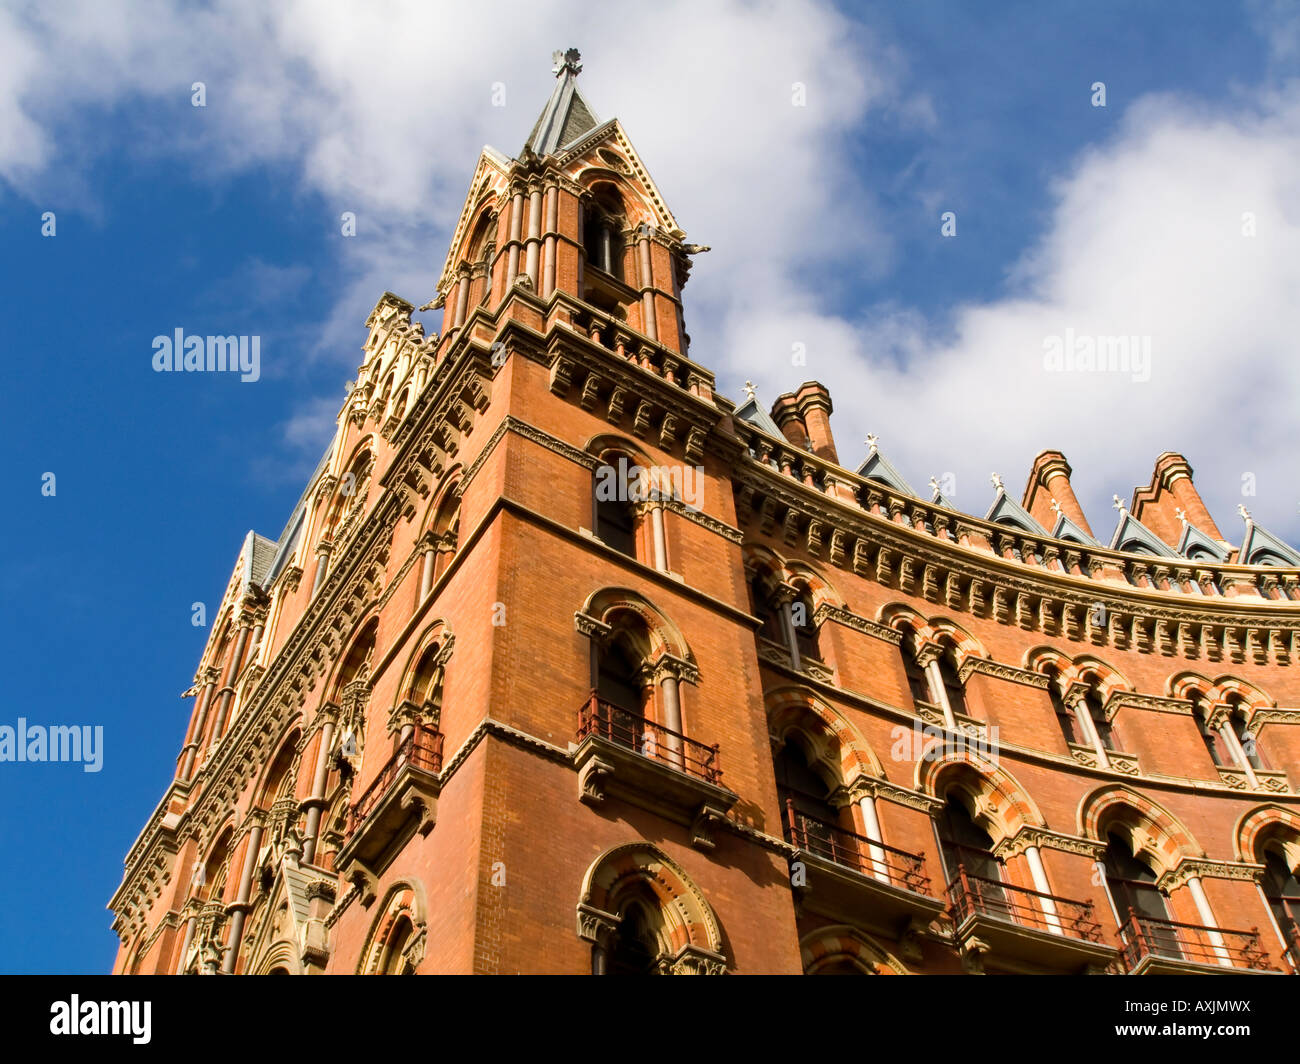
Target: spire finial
{"x": 1245, "y": 514}
{"x": 934, "y": 484}
{"x": 749, "y": 389}
{"x": 1181, "y": 514}
{"x": 1056, "y": 506}
{"x": 872, "y": 440}
{"x": 997, "y": 482}
{"x": 564, "y": 62}
{"x": 1118, "y": 504}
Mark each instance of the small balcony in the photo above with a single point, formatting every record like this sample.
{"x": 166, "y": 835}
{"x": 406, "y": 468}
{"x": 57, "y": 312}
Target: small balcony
{"x": 852, "y": 878}
{"x": 1153, "y": 946}
{"x": 620, "y": 754}
{"x": 1025, "y": 929}
{"x": 402, "y": 799}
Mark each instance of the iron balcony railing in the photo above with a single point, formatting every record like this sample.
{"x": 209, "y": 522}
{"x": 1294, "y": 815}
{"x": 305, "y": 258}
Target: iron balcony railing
{"x": 653, "y": 741}
{"x": 422, "y": 749}
{"x": 969, "y": 895}
{"x": 898, "y": 868}
{"x": 1291, "y": 933}
{"x": 1150, "y": 936}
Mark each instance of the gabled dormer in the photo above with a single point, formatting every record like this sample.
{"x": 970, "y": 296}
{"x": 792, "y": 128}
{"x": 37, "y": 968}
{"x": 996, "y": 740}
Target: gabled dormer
{"x": 1198, "y": 547}
{"x": 1261, "y": 547}
{"x": 1133, "y": 537}
{"x": 880, "y": 469}
{"x": 1006, "y": 511}
{"x": 1067, "y": 530}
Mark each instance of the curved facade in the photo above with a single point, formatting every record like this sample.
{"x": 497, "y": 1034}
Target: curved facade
{"x": 565, "y": 662}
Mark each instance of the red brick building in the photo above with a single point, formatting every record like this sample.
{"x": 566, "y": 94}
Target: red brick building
{"x": 566, "y": 663}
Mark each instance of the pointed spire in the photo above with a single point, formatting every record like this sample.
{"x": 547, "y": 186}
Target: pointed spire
{"x": 567, "y": 115}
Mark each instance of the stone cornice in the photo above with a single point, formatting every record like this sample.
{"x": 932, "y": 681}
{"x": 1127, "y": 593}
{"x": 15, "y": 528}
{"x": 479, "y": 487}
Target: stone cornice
{"x": 1204, "y": 868}
{"x": 1044, "y": 838}
{"x": 1002, "y": 671}
{"x": 1154, "y": 703}
{"x": 828, "y": 611}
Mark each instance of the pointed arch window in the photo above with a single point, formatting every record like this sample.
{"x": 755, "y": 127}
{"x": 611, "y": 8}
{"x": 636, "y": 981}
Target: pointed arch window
{"x": 917, "y": 682}
{"x": 765, "y": 609}
{"x": 603, "y": 227}
{"x": 1281, "y": 886}
{"x": 1097, "y": 714}
{"x": 967, "y": 850}
{"x": 1211, "y": 737}
{"x": 1132, "y": 886}
{"x": 806, "y": 634}
{"x": 1245, "y": 738}
{"x": 1065, "y": 719}
{"x": 615, "y": 486}
{"x": 952, "y": 684}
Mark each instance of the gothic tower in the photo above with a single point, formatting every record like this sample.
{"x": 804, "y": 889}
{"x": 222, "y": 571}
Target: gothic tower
{"x": 566, "y": 663}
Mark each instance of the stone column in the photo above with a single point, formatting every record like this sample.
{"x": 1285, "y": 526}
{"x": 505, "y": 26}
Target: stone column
{"x": 939, "y": 691}
{"x": 552, "y": 224}
{"x": 534, "y": 235}
{"x": 462, "y": 297}
{"x": 1238, "y": 751}
{"x": 1039, "y": 875}
{"x": 516, "y": 231}
{"x": 1077, "y": 701}
{"x": 228, "y": 683}
{"x": 239, "y": 909}
{"x": 650, "y": 326}
{"x": 672, "y": 717}
{"x": 660, "y": 540}
{"x": 315, "y": 803}
{"x": 871, "y": 822}
{"x": 1207, "y": 918}
{"x": 200, "y": 719}
{"x": 185, "y": 944}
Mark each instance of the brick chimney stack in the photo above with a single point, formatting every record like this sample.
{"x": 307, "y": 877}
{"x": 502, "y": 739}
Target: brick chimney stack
{"x": 1170, "y": 490}
{"x": 785, "y": 412}
{"x": 1050, "y": 479}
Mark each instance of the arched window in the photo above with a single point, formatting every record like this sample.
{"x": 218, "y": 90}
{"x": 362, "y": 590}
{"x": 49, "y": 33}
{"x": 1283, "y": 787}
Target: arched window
{"x": 805, "y": 628}
{"x": 917, "y": 681}
{"x": 1282, "y": 889}
{"x": 766, "y": 610}
{"x": 1097, "y": 711}
{"x": 1211, "y": 737}
{"x": 603, "y": 226}
{"x": 951, "y": 680}
{"x": 427, "y": 677}
{"x": 1132, "y": 886}
{"x": 633, "y": 948}
{"x": 1249, "y": 744}
{"x": 446, "y": 531}
{"x": 1065, "y": 719}
{"x": 964, "y": 843}
{"x": 623, "y": 695}
{"x": 394, "y": 961}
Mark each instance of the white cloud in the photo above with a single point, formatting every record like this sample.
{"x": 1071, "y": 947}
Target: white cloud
{"x": 384, "y": 114}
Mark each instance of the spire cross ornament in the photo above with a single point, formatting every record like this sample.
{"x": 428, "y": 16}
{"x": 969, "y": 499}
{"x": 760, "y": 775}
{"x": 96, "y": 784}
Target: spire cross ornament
{"x": 565, "y": 61}
{"x": 749, "y": 389}
{"x": 872, "y": 439}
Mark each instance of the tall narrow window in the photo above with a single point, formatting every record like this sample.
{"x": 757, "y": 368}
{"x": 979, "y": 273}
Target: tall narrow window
{"x": 1065, "y": 719}
{"x": 1282, "y": 889}
{"x": 805, "y": 630}
{"x": 618, "y": 686}
{"x": 1213, "y": 740}
{"x": 810, "y": 819}
{"x": 952, "y": 681}
{"x": 1105, "y": 732}
{"x": 602, "y": 232}
{"x": 1249, "y": 744}
{"x": 917, "y": 682}
{"x": 765, "y": 611}
{"x": 615, "y": 515}
{"x": 967, "y": 846}
{"x": 633, "y": 950}
{"x": 1132, "y": 886}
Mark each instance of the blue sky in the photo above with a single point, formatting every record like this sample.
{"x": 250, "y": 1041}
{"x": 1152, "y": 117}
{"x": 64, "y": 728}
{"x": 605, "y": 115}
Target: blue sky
{"x": 825, "y": 226}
